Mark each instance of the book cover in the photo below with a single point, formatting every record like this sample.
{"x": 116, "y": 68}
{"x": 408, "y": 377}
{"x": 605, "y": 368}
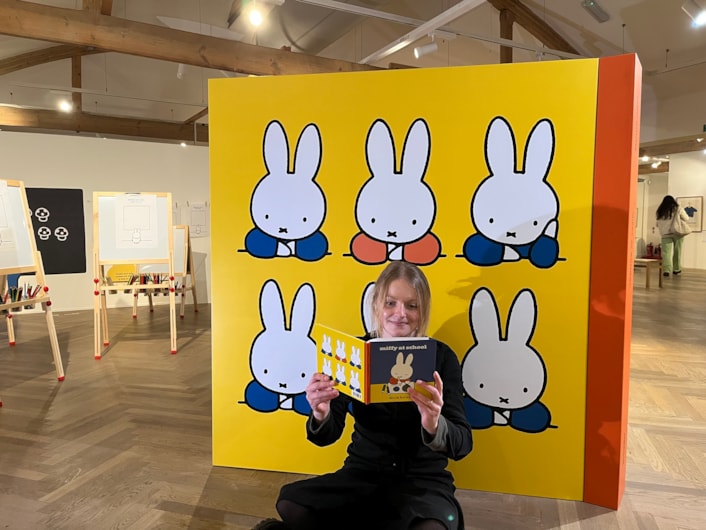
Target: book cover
{"x": 377, "y": 370}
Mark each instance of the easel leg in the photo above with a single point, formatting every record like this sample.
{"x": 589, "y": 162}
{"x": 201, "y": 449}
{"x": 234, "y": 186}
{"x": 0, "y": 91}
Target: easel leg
{"x": 182, "y": 302}
{"x": 172, "y": 319}
{"x": 97, "y": 325}
{"x": 46, "y": 306}
{"x": 135, "y": 294}
{"x": 149, "y": 297}
{"x": 10, "y": 328}
{"x": 104, "y": 319}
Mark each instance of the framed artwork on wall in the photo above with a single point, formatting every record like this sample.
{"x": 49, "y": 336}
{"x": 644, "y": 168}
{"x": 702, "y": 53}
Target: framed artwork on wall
{"x": 693, "y": 206}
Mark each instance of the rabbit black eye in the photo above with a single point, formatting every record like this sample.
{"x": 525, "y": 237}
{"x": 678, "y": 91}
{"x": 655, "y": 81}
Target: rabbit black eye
{"x": 535, "y": 223}
{"x": 372, "y": 220}
{"x": 303, "y": 375}
{"x": 490, "y": 220}
{"x": 414, "y": 221}
{"x": 481, "y": 385}
{"x": 524, "y": 390}
{"x": 267, "y": 216}
{"x": 304, "y": 219}
{"x": 265, "y": 370}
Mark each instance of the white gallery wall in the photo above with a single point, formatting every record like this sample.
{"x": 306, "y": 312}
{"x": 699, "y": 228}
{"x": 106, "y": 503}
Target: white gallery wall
{"x": 96, "y": 164}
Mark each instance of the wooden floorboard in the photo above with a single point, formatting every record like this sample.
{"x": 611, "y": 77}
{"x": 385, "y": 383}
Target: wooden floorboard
{"x": 125, "y": 442}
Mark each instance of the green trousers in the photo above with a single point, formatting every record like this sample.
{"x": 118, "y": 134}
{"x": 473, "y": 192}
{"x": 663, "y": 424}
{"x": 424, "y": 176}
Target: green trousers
{"x": 671, "y": 253}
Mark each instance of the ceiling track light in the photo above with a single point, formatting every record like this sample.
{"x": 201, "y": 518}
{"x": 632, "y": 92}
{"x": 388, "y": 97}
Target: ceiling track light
{"x": 421, "y": 51}
{"x": 595, "y": 10}
{"x": 695, "y": 12}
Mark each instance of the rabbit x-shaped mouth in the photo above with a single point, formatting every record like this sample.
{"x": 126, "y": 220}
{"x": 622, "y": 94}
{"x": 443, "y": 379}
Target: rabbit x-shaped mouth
{"x": 504, "y": 401}
{"x": 391, "y": 233}
{"x": 282, "y": 230}
{"x": 510, "y": 234}
{"x": 283, "y": 385}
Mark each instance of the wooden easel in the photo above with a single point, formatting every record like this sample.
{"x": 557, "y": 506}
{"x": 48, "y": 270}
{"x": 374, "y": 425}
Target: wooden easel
{"x": 114, "y": 215}
{"x": 184, "y": 274}
{"x": 19, "y": 255}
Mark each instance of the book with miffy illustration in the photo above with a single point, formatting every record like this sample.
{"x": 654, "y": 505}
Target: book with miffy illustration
{"x": 376, "y": 370}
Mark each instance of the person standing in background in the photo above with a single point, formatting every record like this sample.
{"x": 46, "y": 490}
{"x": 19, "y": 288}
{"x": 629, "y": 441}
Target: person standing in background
{"x": 671, "y": 242}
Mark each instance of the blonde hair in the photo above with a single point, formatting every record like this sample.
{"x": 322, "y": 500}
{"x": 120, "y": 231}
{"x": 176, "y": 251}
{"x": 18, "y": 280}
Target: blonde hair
{"x": 401, "y": 270}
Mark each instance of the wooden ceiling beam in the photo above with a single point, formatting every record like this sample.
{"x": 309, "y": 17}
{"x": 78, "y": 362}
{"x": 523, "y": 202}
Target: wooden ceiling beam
{"x": 682, "y": 144}
{"x": 81, "y": 122}
{"x": 86, "y": 28}
{"x": 45, "y": 55}
{"x": 537, "y": 27}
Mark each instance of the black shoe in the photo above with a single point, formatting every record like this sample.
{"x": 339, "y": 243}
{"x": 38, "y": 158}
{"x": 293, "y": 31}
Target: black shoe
{"x": 676, "y": 272}
{"x": 270, "y": 524}
{"x": 665, "y": 274}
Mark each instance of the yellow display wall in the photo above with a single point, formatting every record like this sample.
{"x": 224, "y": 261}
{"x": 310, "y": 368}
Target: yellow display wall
{"x": 484, "y": 176}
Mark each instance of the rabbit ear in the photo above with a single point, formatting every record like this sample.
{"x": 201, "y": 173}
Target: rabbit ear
{"x": 500, "y": 152}
{"x": 415, "y": 153}
{"x": 276, "y": 149}
{"x": 307, "y": 157}
{"x": 271, "y": 306}
{"x": 303, "y": 310}
{"x": 539, "y": 150}
{"x": 380, "y": 149}
{"x": 400, "y": 358}
{"x": 485, "y": 321}
{"x": 408, "y": 360}
{"x": 522, "y": 318}
{"x": 366, "y": 308}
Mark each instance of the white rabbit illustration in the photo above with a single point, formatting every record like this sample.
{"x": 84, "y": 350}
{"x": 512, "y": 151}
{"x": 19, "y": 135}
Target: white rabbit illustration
{"x": 354, "y": 382}
{"x": 288, "y": 207}
{"x": 504, "y": 377}
{"x": 366, "y": 308}
{"x": 395, "y": 210}
{"x": 282, "y": 360}
{"x": 341, "y": 374}
{"x": 515, "y": 212}
{"x": 401, "y": 374}
{"x": 326, "y": 345}
{"x": 355, "y": 357}
{"x": 340, "y": 351}
{"x": 326, "y": 368}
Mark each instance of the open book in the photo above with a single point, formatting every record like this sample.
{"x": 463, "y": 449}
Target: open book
{"x": 376, "y": 370}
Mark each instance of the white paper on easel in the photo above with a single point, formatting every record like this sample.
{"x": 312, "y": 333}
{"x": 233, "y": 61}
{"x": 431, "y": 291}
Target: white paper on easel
{"x": 136, "y": 221}
{"x": 7, "y": 233}
{"x": 197, "y": 216}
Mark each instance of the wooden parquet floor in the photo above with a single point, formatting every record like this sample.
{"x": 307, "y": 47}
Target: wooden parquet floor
{"x": 125, "y": 442}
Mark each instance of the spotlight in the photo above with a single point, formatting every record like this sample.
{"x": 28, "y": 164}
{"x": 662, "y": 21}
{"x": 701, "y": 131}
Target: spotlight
{"x": 255, "y": 16}
{"x": 421, "y": 51}
{"x": 595, "y": 10}
{"x": 65, "y": 106}
{"x": 655, "y": 165}
{"x": 695, "y": 12}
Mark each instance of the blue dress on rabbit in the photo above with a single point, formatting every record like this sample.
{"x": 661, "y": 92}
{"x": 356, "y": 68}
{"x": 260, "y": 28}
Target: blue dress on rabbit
{"x": 288, "y": 208}
{"x": 515, "y": 212}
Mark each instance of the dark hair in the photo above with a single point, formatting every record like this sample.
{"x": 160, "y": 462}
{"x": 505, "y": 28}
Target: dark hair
{"x": 401, "y": 270}
{"x": 667, "y": 208}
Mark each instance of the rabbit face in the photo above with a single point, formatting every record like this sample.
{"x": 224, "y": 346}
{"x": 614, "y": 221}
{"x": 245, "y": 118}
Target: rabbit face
{"x": 402, "y": 369}
{"x": 502, "y": 377}
{"x": 514, "y": 207}
{"x": 522, "y": 214}
{"x": 283, "y": 360}
{"x": 288, "y": 208}
{"x": 396, "y": 207}
{"x": 505, "y": 373}
{"x": 394, "y": 210}
{"x": 289, "y": 204}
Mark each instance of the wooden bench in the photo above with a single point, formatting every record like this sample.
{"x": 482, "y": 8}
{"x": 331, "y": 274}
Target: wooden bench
{"x": 649, "y": 264}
